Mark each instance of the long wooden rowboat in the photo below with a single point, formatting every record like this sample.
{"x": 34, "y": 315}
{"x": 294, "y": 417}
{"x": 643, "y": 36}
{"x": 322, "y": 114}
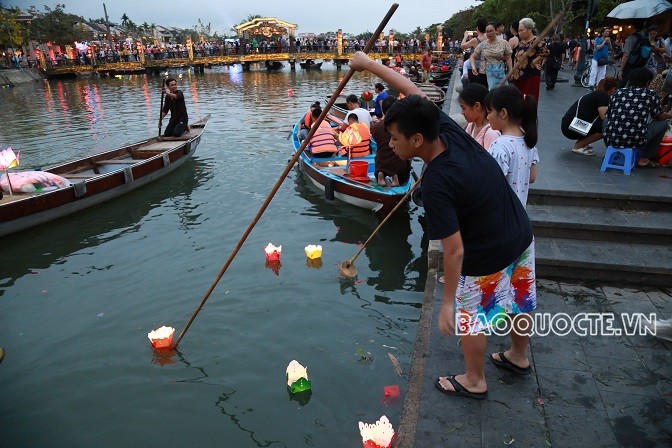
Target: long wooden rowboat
{"x": 331, "y": 176}
{"x": 98, "y": 178}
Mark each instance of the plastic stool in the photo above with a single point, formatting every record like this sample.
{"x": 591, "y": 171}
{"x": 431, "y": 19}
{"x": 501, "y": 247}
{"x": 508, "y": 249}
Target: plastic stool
{"x": 619, "y": 159}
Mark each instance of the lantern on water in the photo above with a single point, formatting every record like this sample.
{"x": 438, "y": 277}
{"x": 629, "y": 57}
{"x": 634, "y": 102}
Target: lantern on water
{"x": 313, "y": 251}
{"x": 161, "y": 338}
{"x": 273, "y": 252}
{"x": 377, "y": 435}
{"x": 297, "y": 377}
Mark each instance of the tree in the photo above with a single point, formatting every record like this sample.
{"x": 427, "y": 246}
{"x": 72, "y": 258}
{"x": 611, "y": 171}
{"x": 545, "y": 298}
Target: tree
{"x": 58, "y": 27}
{"x": 124, "y": 20}
{"x": 11, "y": 32}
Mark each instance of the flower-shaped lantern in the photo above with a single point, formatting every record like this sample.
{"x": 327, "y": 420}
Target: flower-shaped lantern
{"x": 9, "y": 160}
{"x": 377, "y": 435}
{"x": 297, "y": 378}
{"x": 161, "y": 337}
{"x": 313, "y": 251}
{"x": 273, "y": 252}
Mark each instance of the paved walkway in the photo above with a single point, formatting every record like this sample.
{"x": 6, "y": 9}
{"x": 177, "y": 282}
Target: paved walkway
{"x": 586, "y": 391}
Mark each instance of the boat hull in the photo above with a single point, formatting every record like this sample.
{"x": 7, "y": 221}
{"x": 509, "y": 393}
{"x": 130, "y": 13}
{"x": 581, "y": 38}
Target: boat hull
{"x": 335, "y": 184}
{"x": 116, "y": 177}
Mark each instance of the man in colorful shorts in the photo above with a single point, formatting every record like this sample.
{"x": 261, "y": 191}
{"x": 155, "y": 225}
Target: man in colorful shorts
{"x": 488, "y": 245}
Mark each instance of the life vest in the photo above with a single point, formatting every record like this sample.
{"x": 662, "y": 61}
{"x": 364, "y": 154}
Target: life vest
{"x": 358, "y": 138}
{"x": 323, "y": 140}
{"x": 307, "y": 119}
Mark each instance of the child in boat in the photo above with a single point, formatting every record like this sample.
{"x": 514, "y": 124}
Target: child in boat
{"x": 356, "y": 138}
{"x": 472, "y": 103}
{"x": 391, "y": 171}
{"x": 308, "y": 120}
{"x": 323, "y": 142}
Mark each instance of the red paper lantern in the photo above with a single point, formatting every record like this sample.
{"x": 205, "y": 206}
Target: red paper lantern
{"x": 444, "y": 68}
{"x": 367, "y": 95}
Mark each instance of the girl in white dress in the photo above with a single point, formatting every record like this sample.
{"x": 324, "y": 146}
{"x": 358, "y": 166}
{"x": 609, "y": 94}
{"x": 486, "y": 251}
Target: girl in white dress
{"x": 515, "y": 116}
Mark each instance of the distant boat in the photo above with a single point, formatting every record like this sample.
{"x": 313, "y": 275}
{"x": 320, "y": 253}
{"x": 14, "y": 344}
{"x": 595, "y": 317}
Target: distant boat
{"x": 311, "y": 65}
{"x": 98, "y": 178}
{"x": 331, "y": 176}
{"x": 274, "y": 65}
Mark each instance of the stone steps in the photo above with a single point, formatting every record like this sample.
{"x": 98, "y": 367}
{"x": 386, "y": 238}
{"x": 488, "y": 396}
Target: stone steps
{"x": 603, "y": 238}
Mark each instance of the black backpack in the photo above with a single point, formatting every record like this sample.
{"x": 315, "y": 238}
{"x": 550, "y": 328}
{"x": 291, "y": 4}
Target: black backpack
{"x": 640, "y": 53}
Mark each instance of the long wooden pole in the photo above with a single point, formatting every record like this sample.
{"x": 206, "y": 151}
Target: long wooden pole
{"x": 349, "y": 263}
{"x": 163, "y": 93}
{"x": 286, "y": 171}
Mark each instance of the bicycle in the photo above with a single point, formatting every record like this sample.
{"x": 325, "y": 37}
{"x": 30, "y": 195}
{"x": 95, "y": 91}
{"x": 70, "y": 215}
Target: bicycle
{"x": 612, "y": 71}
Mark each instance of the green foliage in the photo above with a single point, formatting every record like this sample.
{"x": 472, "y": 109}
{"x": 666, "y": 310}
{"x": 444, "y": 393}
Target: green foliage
{"x": 58, "y": 27}
{"x": 11, "y": 32}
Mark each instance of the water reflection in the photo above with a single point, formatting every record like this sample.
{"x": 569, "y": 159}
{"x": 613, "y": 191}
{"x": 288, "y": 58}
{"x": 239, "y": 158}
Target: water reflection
{"x": 389, "y": 252}
{"x": 222, "y": 401}
{"x": 100, "y": 224}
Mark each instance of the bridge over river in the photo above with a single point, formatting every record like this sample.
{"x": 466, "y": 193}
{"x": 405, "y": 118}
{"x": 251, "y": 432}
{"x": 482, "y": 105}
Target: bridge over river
{"x": 161, "y": 63}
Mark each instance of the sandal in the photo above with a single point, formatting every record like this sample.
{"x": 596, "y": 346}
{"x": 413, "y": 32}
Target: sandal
{"x": 460, "y": 390}
{"x": 648, "y": 164}
{"x": 504, "y": 363}
{"x": 583, "y": 150}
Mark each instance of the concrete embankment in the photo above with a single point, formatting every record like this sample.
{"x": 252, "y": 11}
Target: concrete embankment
{"x": 12, "y": 77}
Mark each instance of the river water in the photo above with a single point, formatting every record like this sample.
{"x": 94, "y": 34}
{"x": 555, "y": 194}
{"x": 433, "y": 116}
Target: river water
{"x": 79, "y": 295}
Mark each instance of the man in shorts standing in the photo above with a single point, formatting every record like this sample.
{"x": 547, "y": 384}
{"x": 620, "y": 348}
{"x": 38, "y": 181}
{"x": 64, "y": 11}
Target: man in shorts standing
{"x": 488, "y": 245}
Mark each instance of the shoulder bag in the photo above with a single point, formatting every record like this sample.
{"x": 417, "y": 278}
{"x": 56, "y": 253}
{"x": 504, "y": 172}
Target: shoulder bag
{"x": 578, "y": 125}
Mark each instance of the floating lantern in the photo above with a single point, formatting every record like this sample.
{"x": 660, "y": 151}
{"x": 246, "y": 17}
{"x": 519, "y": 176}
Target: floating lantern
{"x": 290, "y": 92}
{"x": 161, "y": 337}
{"x": 273, "y": 252}
{"x": 313, "y": 251}
{"x": 367, "y": 96}
{"x": 377, "y": 435}
{"x": 297, "y": 378}
{"x": 391, "y": 391}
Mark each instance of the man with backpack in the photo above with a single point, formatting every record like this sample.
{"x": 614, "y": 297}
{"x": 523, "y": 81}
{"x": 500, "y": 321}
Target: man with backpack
{"x": 635, "y": 54}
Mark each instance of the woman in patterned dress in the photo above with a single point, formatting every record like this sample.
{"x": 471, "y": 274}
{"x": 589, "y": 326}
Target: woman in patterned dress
{"x": 527, "y": 70}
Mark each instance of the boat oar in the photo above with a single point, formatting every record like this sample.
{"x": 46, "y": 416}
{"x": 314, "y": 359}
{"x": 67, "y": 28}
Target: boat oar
{"x": 286, "y": 171}
{"x": 348, "y": 267}
{"x": 163, "y": 93}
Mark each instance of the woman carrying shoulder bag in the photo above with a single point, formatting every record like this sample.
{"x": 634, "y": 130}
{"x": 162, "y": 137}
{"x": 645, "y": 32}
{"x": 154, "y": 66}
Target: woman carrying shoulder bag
{"x": 590, "y": 108}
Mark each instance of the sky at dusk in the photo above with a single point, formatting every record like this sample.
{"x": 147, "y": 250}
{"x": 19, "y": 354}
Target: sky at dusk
{"x": 352, "y": 16}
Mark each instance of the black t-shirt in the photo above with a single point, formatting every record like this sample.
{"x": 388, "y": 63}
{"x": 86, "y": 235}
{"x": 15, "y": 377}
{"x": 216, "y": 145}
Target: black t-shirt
{"x": 587, "y": 107}
{"x": 177, "y": 107}
{"x": 387, "y": 160}
{"x": 464, "y": 189}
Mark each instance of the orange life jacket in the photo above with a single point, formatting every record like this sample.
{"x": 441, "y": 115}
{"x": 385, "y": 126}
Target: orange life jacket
{"x": 323, "y": 140}
{"x": 362, "y": 148}
{"x": 307, "y": 119}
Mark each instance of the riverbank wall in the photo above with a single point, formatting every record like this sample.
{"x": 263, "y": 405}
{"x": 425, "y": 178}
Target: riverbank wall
{"x": 11, "y": 77}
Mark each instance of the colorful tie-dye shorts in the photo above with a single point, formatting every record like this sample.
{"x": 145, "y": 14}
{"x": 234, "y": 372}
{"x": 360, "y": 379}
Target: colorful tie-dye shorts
{"x": 484, "y": 301}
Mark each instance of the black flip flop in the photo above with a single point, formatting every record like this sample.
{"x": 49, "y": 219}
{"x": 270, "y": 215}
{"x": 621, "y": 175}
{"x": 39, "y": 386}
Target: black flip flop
{"x": 460, "y": 390}
{"x": 504, "y": 363}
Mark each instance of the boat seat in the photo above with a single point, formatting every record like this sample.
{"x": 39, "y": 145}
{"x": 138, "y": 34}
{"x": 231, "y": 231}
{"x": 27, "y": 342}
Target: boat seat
{"x": 78, "y": 176}
{"x": 116, "y": 162}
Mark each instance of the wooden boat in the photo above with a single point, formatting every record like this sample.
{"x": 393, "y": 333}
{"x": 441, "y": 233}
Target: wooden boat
{"x": 98, "y": 178}
{"x": 331, "y": 176}
{"x": 274, "y": 65}
{"x": 436, "y": 94}
{"x": 311, "y": 65}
